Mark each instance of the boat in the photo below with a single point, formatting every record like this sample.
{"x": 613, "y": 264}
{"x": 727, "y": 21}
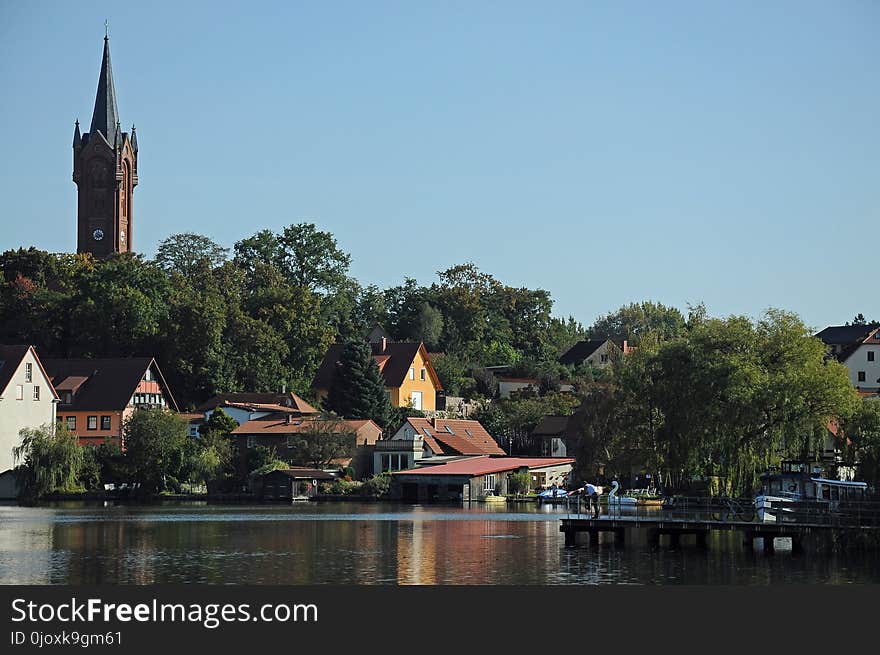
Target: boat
{"x": 620, "y": 501}
{"x": 553, "y": 495}
{"x": 795, "y": 492}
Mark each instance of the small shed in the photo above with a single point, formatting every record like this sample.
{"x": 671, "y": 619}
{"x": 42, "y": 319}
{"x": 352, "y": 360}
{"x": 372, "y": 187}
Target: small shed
{"x": 291, "y": 484}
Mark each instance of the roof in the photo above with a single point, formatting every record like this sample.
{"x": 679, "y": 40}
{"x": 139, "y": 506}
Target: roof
{"x": 287, "y": 400}
{"x": 551, "y": 426}
{"x": 845, "y": 335}
{"x": 453, "y": 436}
{"x": 110, "y": 383}
{"x": 484, "y": 465}
{"x": 105, "y": 117}
{"x": 192, "y": 417}
{"x": 10, "y": 359}
{"x": 303, "y": 474}
{"x": 278, "y": 424}
{"x": 580, "y": 351}
{"x": 394, "y": 363}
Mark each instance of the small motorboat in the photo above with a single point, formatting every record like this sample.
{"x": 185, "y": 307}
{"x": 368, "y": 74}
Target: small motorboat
{"x": 553, "y": 494}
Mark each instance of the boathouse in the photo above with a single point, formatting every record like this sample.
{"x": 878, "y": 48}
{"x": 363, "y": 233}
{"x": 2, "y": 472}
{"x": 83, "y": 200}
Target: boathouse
{"x": 290, "y": 484}
{"x": 474, "y": 478}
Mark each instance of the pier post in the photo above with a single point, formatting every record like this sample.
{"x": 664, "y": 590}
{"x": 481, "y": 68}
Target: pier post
{"x": 674, "y": 539}
{"x": 797, "y": 545}
{"x": 749, "y": 540}
{"x": 768, "y": 545}
{"x": 654, "y": 538}
{"x": 570, "y": 538}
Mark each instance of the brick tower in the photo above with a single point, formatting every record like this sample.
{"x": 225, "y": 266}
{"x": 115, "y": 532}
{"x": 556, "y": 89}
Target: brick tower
{"x": 105, "y": 172}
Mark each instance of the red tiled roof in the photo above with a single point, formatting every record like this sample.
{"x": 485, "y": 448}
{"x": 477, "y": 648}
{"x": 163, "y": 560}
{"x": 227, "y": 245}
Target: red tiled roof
{"x": 485, "y": 465}
{"x": 464, "y": 437}
{"x": 288, "y": 400}
{"x": 278, "y": 425}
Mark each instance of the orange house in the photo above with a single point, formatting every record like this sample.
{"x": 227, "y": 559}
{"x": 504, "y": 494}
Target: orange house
{"x": 98, "y": 395}
{"x": 406, "y": 369}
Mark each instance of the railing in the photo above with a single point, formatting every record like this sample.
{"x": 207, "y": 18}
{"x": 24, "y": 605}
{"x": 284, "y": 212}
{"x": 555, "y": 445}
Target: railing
{"x": 738, "y": 510}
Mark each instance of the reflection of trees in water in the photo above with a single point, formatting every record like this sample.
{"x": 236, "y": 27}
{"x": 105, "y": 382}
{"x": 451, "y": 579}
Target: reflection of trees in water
{"x": 263, "y": 545}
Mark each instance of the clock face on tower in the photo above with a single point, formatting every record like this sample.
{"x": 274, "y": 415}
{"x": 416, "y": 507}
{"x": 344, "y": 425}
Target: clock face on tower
{"x": 98, "y": 234}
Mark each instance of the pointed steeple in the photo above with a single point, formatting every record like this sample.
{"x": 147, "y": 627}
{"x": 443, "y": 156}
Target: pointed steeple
{"x": 106, "y": 116}
{"x": 77, "y": 137}
{"x": 134, "y": 139}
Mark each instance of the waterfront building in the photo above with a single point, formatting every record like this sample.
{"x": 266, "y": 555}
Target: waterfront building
{"x": 475, "y": 478}
{"x": 27, "y": 400}
{"x": 98, "y": 395}
{"x": 428, "y": 441}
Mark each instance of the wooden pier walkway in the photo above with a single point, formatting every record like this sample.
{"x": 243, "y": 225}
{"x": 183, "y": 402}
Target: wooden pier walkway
{"x": 700, "y": 528}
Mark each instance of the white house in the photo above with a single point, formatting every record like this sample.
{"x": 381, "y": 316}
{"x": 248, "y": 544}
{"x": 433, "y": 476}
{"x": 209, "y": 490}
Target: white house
{"x": 858, "y": 348}
{"x": 27, "y": 400}
{"x": 599, "y": 353}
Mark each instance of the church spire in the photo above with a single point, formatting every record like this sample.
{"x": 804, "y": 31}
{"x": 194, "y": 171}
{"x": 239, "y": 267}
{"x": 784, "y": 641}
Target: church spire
{"x": 77, "y": 138}
{"x": 106, "y": 116}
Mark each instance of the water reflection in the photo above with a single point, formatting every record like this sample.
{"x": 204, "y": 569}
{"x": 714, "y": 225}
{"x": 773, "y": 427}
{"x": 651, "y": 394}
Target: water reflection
{"x": 367, "y": 544}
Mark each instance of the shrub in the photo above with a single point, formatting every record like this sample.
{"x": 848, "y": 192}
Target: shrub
{"x": 377, "y": 486}
{"x": 520, "y": 483}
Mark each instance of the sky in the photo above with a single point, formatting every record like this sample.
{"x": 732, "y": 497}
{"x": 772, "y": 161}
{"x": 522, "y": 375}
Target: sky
{"x": 608, "y": 152}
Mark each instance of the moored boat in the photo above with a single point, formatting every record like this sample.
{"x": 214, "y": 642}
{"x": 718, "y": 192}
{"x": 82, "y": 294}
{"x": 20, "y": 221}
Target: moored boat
{"x": 796, "y": 493}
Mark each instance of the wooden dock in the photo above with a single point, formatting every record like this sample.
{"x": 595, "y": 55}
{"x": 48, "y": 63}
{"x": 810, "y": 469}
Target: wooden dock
{"x": 675, "y": 528}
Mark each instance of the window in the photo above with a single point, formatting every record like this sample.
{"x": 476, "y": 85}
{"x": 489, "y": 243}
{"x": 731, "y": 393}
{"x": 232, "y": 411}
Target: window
{"x": 251, "y": 442}
{"x": 68, "y": 397}
{"x": 412, "y": 374}
{"x": 92, "y": 423}
{"x": 489, "y": 483}
{"x": 71, "y": 423}
{"x": 386, "y": 463}
{"x": 424, "y": 374}
{"x": 105, "y": 422}
{"x": 28, "y": 372}
{"x": 36, "y": 392}
{"x": 870, "y": 355}
{"x": 19, "y": 392}
{"x": 861, "y": 376}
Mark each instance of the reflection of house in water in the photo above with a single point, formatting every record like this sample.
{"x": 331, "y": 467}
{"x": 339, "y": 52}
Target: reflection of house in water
{"x": 27, "y": 552}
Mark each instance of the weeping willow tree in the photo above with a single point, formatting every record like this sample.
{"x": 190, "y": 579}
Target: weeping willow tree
{"x": 731, "y": 397}
{"x": 48, "y": 460}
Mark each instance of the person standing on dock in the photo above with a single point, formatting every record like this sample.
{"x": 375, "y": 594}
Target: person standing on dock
{"x": 591, "y": 492}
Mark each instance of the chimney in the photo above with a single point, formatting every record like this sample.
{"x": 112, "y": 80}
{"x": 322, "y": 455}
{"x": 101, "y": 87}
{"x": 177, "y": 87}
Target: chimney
{"x": 384, "y": 344}
{"x": 624, "y": 347}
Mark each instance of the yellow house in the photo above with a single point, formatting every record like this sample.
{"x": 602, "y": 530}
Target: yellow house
{"x": 406, "y": 368}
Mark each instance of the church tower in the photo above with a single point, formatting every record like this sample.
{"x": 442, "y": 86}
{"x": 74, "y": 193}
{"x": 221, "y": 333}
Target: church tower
{"x": 105, "y": 172}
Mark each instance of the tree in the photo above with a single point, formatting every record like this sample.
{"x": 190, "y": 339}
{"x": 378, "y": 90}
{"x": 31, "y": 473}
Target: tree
{"x": 325, "y": 441}
{"x": 49, "y": 460}
{"x": 358, "y": 390}
{"x": 213, "y": 457}
{"x": 862, "y": 431}
{"x": 185, "y": 253}
{"x": 158, "y": 449}
{"x": 636, "y": 321}
{"x": 428, "y": 326}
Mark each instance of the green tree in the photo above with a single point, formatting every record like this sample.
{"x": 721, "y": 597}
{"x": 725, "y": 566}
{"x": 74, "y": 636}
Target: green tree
{"x": 358, "y": 390}
{"x": 637, "y": 321}
{"x": 862, "y": 432}
{"x": 326, "y": 440}
{"x": 185, "y": 253}
{"x": 158, "y": 450}
{"x": 49, "y": 460}
{"x": 428, "y": 327}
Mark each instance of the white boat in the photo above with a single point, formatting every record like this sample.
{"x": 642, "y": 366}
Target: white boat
{"x": 620, "y": 501}
{"x": 796, "y": 490}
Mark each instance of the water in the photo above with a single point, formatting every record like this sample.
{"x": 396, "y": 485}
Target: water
{"x": 355, "y": 543}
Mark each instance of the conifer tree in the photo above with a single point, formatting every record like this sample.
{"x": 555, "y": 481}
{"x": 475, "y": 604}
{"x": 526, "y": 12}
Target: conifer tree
{"x": 358, "y": 390}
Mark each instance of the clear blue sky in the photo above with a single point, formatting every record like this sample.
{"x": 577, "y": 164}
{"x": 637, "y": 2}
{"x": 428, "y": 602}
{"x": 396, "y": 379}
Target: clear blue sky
{"x": 725, "y": 152}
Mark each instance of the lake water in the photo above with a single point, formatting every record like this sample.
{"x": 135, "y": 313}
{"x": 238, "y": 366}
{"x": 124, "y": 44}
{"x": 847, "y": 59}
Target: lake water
{"x": 360, "y": 543}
